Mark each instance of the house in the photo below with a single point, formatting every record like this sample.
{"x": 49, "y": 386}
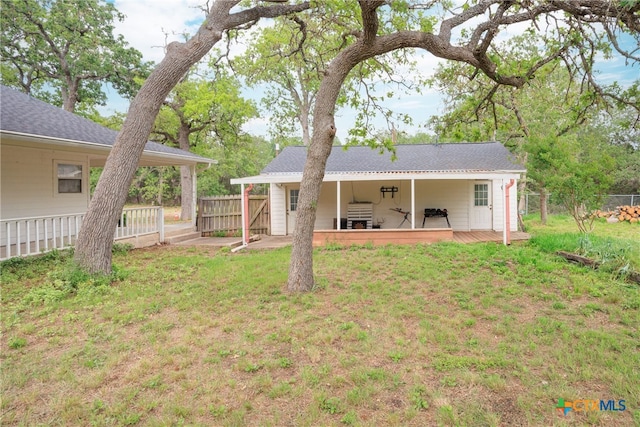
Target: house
{"x": 425, "y": 194}
{"x": 45, "y": 157}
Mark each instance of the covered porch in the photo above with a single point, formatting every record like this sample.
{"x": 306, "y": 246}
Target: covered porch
{"x": 411, "y": 208}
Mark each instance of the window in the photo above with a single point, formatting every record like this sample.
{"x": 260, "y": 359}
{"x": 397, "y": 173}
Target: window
{"x": 69, "y": 178}
{"x": 293, "y": 200}
{"x": 481, "y": 195}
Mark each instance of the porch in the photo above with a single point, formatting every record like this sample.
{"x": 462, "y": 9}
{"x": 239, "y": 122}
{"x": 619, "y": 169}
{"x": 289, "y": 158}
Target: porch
{"x": 382, "y": 237}
{"x": 35, "y": 235}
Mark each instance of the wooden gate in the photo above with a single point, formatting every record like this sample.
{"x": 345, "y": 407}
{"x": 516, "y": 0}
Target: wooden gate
{"x": 222, "y": 215}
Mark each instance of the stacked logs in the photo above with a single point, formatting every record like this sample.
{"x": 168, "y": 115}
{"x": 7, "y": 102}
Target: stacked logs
{"x": 622, "y": 213}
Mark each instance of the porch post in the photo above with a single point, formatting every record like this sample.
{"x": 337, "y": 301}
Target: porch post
{"x": 160, "y": 221}
{"x": 242, "y": 213}
{"x": 338, "y": 205}
{"x": 413, "y": 204}
{"x": 194, "y": 194}
{"x": 504, "y": 215}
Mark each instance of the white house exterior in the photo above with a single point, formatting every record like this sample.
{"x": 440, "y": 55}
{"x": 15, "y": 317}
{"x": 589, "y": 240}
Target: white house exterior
{"x": 45, "y": 156}
{"x": 469, "y": 180}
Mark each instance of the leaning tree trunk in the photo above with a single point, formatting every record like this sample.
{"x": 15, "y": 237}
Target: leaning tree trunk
{"x": 324, "y": 131}
{"x": 95, "y": 240}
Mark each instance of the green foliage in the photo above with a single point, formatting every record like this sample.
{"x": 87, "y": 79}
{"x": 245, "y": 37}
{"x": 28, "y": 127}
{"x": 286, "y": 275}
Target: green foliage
{"x": 206, "y": 116}
{"x": 66, "y": 280}
{"x": 291, "y": 58}
{"x": 478, "y": 110}
{"x": 575, "y": 168}
{"x": 64, "y": 52}
{"x": 17, "y": 342}
{"x": 121, "y": 248}
{"x": 617, "y": 255}
{"x": 331, "y": 405}
{"x": 613, "y": 255}
{"x": 418, "y": 397}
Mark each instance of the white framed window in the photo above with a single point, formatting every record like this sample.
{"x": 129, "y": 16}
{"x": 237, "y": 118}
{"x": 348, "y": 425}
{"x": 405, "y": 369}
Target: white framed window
{"x": 293, "y": 200}
{"x": 481, "y": 195}
{"x": 68, "y": 177}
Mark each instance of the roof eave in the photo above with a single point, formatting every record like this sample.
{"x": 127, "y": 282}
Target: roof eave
{"x": 147, "y": 154}
{"x": 296, "y": 177}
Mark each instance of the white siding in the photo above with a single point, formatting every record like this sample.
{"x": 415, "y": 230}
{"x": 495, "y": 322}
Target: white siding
{"x": 449, "y": 194}
{"x": 498, "y": 205}
{"x": 513, "y": 202}
{"x": 327, "y": 206}
{"x": 27, "y": 183}
{"x": 454, "y": 195}
{"x": 278, "y": 205}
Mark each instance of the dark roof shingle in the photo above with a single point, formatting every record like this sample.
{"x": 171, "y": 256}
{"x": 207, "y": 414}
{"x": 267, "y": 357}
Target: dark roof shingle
{"x": 486, "y": 156}
{"x": 24, "y": 114}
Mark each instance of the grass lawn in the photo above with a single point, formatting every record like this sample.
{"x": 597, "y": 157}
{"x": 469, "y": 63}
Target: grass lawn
{"x": 444, "y": 334}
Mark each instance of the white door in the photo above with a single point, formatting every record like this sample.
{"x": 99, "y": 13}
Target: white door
{"x": 292, "y": 207}
{"x": 481, "y": 210}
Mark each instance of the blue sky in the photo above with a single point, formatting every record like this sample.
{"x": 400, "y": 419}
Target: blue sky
{"x": 151, "y": 24}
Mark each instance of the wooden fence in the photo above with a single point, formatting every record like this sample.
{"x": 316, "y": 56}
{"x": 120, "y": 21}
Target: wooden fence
{"x": 223, "y": 215}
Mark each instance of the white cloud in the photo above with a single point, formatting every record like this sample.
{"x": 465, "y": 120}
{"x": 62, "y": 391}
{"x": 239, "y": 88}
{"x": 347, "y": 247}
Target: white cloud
{"x": 146, "y": 23}
{"x": 258, "y": 125}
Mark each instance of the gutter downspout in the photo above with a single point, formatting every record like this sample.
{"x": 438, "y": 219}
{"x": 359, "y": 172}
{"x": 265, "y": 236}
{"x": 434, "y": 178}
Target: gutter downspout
{"x": 507, "y": 208}
{"x": 245, "y": 218}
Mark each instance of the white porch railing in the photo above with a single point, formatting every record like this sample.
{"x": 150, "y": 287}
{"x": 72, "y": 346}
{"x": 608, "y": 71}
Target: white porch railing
{"x": 35, "y": 235}
{"x": 139, "y": 221}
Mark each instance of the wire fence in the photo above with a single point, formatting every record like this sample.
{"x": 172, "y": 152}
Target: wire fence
{"x": 610, "y": 202}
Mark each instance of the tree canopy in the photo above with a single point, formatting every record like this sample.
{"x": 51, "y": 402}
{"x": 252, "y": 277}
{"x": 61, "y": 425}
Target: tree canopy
{"x": 64, "y": 51}
{"x": 573, "y": 32}
{"x": 203, "y": 111}
{"x": 290, "y": 58}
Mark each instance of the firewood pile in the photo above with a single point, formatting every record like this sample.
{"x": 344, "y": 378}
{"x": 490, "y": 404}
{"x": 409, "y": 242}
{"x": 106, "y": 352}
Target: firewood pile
{"x": 621, "y": 213}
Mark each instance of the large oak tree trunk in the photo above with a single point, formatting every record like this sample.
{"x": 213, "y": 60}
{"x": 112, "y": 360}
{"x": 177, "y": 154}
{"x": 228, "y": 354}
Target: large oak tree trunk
{"x": 186, "y": 193}
{"x": 186, "y": 180}
{"x": 543, "y": 206}
{"x": 95, "y": 240}
{"x": 304, "y": 123}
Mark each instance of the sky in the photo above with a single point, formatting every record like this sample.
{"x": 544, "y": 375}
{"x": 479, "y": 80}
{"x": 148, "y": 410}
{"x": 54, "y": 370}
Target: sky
{"x": 151, "y": 24}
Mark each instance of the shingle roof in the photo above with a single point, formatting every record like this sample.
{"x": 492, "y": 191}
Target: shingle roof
{"x": 24, "y": 114}
{"x": 461, "y": 157}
